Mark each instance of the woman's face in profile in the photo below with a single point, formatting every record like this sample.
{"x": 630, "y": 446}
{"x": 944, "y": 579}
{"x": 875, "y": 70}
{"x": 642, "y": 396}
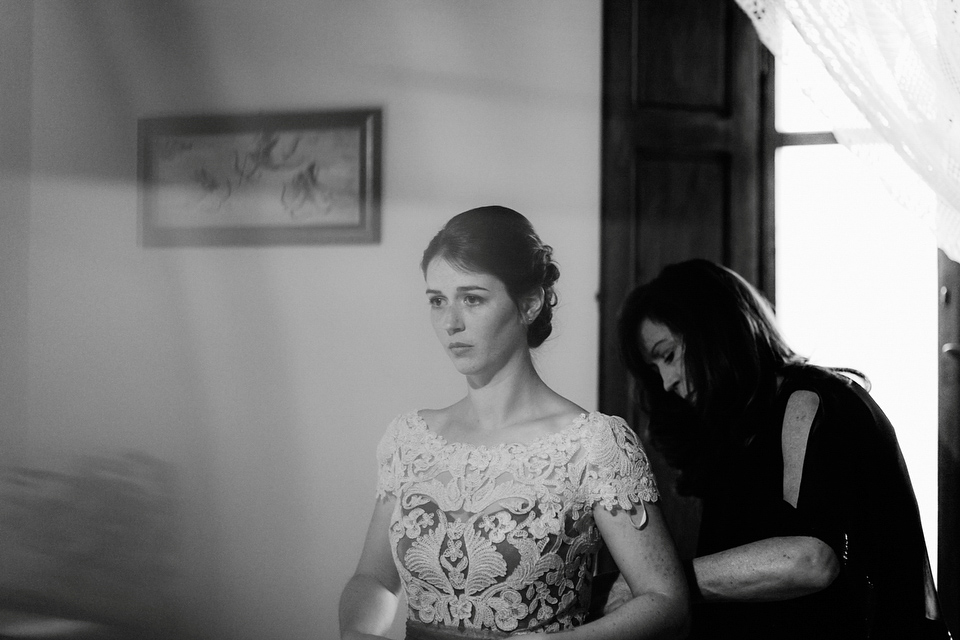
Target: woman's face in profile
{"x": 663, "y": 349}
{"x": 473, "y": 315}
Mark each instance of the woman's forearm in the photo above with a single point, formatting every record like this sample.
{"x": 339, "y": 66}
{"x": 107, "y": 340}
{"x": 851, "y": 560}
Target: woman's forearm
{"x": 766, "y": 570}
{"x": 367, "y": 608}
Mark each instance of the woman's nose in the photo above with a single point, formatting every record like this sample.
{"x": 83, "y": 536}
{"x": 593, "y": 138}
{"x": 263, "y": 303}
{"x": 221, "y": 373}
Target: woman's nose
{"x": 670, "y": 379}
{"x": 452, "y": 322}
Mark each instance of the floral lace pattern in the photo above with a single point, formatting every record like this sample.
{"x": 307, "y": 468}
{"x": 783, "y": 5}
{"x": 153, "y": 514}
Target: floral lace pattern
{"x": 502, "y": 538}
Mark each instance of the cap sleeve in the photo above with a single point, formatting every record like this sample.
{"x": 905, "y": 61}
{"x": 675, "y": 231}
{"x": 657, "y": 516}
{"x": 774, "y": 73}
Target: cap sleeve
{"x": 618, "y": 471}
{"x": 388, "y": 460}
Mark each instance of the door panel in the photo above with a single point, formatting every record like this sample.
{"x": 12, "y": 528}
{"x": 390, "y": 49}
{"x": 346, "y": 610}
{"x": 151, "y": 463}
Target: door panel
{"x": 664, "y": 54}
{"x": 678, "y": 205}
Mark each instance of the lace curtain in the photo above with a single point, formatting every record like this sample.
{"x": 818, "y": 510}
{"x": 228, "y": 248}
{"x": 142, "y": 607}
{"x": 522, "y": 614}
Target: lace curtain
{"x": 886, "y": 73}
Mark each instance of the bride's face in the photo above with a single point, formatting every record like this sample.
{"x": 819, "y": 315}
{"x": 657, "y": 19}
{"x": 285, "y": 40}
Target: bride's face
{"x": 475, "y": 318}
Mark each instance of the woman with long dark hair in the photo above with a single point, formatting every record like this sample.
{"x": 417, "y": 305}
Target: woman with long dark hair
{"x": 810, "y": 528}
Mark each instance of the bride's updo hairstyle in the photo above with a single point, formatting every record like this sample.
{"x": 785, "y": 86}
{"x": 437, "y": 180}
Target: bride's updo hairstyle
{"x": 501, "y": 242}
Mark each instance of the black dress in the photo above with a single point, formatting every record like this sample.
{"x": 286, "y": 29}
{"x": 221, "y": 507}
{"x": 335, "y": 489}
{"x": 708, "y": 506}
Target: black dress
{"x": 855, "y": 495}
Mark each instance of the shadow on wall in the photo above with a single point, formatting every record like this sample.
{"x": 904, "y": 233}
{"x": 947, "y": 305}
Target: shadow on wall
{"x": 88, "y": 552}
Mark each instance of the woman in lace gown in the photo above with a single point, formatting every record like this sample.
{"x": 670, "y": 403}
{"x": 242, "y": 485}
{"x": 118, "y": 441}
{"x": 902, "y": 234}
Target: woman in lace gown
{"x": 489, "y": 512}
{"x": 809, "y": 527}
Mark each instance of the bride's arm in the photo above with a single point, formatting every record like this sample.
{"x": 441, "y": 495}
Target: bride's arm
{"x": 647, "y": 559}
{"x": 369, "y": 600}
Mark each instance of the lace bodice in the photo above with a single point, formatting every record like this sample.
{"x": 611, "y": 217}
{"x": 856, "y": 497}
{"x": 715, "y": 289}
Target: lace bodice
{"x": 502, "y": 538}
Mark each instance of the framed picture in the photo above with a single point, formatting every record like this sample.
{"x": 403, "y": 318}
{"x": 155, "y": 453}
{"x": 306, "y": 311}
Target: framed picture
{"x": 264, "y": 179}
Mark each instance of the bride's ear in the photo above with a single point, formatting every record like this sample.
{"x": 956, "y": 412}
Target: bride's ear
{"x": 530, "y": 306}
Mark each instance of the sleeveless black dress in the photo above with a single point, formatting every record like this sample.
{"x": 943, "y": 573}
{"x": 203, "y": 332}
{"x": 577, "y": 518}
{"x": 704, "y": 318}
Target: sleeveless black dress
{"x": 855, "y": 495}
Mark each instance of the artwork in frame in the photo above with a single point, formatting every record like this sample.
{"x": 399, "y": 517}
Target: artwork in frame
{"x": 266, "y": 179}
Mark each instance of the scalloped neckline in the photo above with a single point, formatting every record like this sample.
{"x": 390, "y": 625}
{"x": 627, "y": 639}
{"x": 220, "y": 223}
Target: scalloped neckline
{"x": 575, "y": 424}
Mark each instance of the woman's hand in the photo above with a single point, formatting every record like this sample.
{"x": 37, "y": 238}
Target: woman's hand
{"x": 767, "y": 570}
{"x": 619, "y": 595}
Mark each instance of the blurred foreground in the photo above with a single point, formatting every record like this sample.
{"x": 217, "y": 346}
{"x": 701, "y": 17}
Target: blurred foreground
{"x": 87, "y": 551}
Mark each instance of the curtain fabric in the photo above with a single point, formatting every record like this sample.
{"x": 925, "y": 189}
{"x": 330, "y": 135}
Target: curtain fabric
{"x": 886, "y": 73}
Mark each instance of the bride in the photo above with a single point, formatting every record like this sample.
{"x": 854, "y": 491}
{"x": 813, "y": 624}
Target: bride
{"x": 490, "y": 512}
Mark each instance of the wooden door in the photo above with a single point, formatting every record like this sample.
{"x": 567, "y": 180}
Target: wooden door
{"x": 683, "y": 170}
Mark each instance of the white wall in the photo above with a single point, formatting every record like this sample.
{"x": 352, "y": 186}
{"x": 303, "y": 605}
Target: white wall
{"x": 267, "y": 375}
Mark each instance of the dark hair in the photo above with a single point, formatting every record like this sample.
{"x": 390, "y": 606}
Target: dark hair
{"x": 501, "y": 242}
{"x": 733, "y": 352}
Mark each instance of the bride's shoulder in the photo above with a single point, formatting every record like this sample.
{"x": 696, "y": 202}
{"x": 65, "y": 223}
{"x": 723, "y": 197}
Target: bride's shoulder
{"x": 608, "y": 426}
{"x": 402, "y": 424}
{"x": 439, "y": 420}
{"x": 563, "y": 413}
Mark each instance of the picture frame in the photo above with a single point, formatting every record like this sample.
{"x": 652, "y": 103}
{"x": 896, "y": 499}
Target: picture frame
{"x": 286, "y": 178}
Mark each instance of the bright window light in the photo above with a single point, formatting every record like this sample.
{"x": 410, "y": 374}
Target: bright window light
{"x": 794, "y": 112}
